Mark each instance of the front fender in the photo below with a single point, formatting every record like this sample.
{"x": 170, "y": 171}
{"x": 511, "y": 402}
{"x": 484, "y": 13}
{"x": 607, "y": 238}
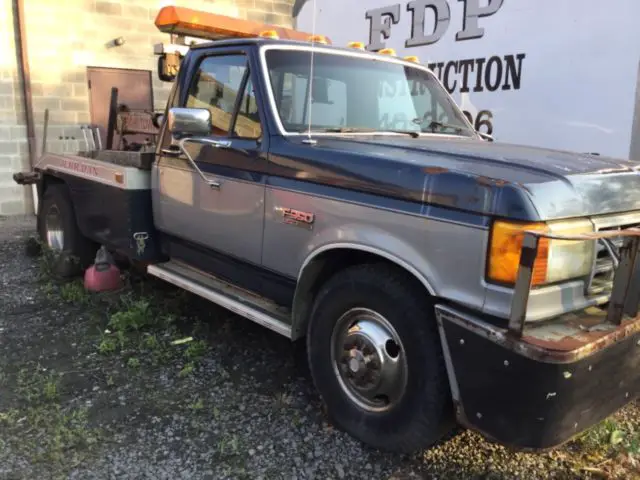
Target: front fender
{"x": 377, "y": 242}
{"x": 357, "y": 238}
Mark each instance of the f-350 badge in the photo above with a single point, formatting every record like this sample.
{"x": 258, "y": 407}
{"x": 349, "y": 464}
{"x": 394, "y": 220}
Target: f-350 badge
{"x": 296, "y": 217}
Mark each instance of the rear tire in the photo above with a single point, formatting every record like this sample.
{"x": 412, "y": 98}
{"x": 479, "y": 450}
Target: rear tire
{"x": 59, "y": 232}
{"x": 384, "y": 382}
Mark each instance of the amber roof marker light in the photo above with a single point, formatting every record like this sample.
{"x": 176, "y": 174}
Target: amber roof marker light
{"x": 269, "y": 34}
{"x": 317, "y": 39}
{"x": 199, "y": 24}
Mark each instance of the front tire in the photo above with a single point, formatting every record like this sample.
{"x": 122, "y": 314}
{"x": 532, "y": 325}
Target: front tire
{"x": 59, "y": 232}
{"x": 376, "y": 359}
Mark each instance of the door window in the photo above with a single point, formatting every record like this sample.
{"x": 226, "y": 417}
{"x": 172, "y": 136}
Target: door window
{"x": 248, "y": 120}
{"x": 215, "y": 87}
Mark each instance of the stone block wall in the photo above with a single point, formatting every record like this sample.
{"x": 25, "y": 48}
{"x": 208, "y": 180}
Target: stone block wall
{"x": 63, "y": 39}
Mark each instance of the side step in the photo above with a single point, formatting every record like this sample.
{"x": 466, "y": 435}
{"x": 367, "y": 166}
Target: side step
{"x": 242, "y": 302}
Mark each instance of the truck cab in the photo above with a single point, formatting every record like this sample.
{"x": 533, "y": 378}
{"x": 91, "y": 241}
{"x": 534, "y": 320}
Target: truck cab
{"x": 341, "y": 197}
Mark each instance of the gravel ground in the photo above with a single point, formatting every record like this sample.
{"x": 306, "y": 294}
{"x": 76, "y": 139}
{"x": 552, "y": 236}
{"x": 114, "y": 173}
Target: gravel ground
{"x": 84, "y": 399}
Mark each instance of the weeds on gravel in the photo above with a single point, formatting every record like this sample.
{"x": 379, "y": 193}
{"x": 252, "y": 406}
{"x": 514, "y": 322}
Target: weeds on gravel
{"x": 67, "y": 433}
{"x": 108, "y": 344}
{"x": 196, "y": 350}
{"x": 127, "y": 325}
{"x": 612, "y": 434}
{"x": 228, "y": 445}
{"x": 150, "y": 342}
{"x": 187, "y": 370}
{"x": 231, "y": 462}
{"x": 610, "y": 449}
{"x": 197, "y": 405}
{"x": 37, "y": 386}
{"x": 71, "y": 292}
{"x": 133, "y": 362}
{"x": 49, "y": 261}
{"x": 74, "y": 292}
{"x": 42, "y": 430}
{"x": 139, "y": 326}
{"x": 136, "y": 315}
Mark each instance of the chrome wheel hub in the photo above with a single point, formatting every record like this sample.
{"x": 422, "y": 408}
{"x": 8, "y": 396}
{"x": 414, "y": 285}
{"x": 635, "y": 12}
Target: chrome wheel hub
{"x": 53, "y": 229}
{"x": 369, "y": 360}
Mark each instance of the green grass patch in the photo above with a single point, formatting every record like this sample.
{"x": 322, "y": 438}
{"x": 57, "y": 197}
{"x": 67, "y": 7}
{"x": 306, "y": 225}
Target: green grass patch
{"x": 44, "y": 431}
{"x": 74, "y": 292}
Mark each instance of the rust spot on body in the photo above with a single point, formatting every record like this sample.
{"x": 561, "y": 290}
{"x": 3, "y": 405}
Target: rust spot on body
{"x": 580, "y": 335}
{"x": 435, "y": 170}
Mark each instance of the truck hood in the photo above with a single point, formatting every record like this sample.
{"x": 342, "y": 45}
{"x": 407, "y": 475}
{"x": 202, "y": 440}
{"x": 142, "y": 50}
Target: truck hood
{"x": 556, "y": 184}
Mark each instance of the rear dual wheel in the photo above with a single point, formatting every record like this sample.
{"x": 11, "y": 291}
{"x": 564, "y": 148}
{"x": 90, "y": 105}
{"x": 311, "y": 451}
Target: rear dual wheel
{"x": 375, "y": 357}
{"x": 58, "y": 230}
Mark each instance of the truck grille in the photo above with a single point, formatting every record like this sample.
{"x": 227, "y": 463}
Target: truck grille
{"x": 602, "y": 275}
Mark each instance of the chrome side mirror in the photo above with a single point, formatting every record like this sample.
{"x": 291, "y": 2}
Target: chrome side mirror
{"x": 189, "y": 122}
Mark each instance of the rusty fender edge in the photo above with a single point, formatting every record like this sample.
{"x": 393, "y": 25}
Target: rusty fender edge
{"x": 537, "y": 392}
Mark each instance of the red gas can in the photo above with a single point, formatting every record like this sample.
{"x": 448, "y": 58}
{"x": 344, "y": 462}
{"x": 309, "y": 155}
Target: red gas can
{"x": 103, "y": 275}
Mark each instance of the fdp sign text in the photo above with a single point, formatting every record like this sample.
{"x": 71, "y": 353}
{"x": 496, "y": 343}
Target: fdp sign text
{"x": 382, "y": 19}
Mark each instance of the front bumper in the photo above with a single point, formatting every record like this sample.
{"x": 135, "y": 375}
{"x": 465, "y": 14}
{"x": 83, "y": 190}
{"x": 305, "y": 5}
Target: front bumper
{"x": 536, "y": 391}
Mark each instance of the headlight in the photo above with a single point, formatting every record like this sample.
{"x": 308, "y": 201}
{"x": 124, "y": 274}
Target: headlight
{"x": 557, "y": 260}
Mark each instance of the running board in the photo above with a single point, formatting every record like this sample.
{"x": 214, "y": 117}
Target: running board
{"x": 244, "y": 303}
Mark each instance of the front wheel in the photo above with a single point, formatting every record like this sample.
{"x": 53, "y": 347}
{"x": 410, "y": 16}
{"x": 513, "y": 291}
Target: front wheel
{"x": 375, "y": 357}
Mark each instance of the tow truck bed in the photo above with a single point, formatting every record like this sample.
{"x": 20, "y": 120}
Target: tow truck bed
{"x": 139, "y": 160}
{"x": 111, "y": 193}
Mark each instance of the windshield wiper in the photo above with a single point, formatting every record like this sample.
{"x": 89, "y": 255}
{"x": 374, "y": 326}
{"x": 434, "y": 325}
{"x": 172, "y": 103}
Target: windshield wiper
{"x": 440, "y": 125}
{"x": 433, "y": 125}
{"x": 411, "y": 133}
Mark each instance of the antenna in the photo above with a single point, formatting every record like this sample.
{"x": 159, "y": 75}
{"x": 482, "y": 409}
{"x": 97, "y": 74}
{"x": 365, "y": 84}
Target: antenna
{"x": 309, "y": 140}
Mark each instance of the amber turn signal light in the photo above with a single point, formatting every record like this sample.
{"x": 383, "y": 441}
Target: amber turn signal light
{"x": 505, "y": 249}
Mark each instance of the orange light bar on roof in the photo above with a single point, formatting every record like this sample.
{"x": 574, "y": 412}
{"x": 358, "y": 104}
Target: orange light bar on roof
{"x": 194, "y": 23}
{"x": 387, "y": 51}
{"x": 358, "y": 45}
{"x": 412, "y": 58}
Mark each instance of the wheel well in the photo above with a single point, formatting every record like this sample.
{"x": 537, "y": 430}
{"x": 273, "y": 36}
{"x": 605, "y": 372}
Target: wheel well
{"x": 48, "y": 180}
{"x": 322, "y": 268}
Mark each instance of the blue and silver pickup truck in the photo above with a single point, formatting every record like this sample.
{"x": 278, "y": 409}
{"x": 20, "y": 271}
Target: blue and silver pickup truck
{"x": 341, "y": 196}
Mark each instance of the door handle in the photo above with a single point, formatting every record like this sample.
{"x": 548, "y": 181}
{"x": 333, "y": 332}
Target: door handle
{"x": 206, "y": 141}
{"x": 172, "y": 151}
{"x": 217, "y": 143}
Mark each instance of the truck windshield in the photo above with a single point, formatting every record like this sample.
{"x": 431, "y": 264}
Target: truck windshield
{"x": 352, "y": 94}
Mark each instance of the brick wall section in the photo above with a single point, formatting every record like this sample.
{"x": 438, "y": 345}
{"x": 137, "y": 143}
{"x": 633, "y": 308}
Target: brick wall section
{"x": 13, "y": 145}
{"x": 64, "y": 38}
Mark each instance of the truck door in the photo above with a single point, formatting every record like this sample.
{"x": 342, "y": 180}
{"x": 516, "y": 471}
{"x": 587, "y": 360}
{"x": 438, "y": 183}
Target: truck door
{"x": 224, "y": 215}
